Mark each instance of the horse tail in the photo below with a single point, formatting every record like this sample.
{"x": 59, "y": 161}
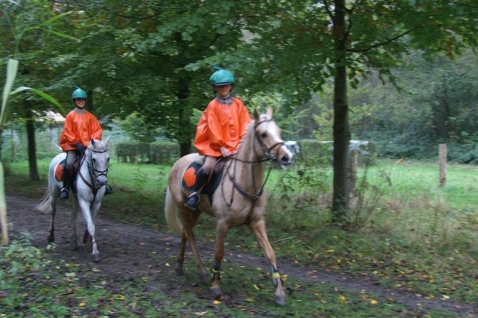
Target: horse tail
{"x": 171, "y": 214}
{"x": 44, "y": 205}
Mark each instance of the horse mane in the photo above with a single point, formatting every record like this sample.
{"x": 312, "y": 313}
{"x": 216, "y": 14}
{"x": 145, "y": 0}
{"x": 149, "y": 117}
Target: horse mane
{"x": 245, "y": 134}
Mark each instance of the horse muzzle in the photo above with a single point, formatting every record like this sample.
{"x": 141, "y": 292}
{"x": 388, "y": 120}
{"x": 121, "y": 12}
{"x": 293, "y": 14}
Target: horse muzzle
{"x": 102, "y": 180}
{"x": 284, "y": 160}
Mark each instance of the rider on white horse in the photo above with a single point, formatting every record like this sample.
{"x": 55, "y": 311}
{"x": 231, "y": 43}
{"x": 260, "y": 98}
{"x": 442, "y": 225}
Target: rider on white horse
{"x": 220, "y": 129}
{"x": 80, "y": 127}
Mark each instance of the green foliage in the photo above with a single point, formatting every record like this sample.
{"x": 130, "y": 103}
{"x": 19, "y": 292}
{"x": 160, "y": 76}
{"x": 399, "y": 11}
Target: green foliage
{"x": 134, "y": 126}
{"x": 156, "y": 153}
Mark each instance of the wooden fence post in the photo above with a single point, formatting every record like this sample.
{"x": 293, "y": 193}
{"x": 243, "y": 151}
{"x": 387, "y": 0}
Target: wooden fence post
{"x": 442, "y": 158}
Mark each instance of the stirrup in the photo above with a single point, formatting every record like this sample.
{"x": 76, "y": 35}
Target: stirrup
{"x": 64, "y": 194}
{"x": 108, "y": 190}
{"x": 192, "y": 201}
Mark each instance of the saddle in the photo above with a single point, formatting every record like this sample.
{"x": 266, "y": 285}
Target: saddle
{"x": 190, "y": 176}
{"x": 73, "y": 172}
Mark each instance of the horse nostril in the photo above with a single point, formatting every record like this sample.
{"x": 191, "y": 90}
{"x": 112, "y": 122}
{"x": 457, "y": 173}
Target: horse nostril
{"x": 285, "y": 159}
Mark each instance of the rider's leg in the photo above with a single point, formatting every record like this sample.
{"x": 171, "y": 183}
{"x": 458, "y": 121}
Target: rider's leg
{"x": 70, "y": 157}
{"x": 192, "y": 201}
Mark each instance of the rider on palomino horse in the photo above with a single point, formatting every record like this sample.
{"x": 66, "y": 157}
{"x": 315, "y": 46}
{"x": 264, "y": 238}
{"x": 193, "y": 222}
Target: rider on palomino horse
{"x": 80, "y": 127}
{"x": 220, "y": 129}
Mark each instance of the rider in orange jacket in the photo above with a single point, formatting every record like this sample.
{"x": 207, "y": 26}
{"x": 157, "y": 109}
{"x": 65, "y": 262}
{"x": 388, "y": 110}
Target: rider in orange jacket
{"x": 80, "y": 127}
{"x": 220, "y": 129}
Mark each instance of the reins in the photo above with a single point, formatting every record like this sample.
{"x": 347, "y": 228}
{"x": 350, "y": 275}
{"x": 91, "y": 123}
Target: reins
{"x": 92, "y": 171}
{"x": 269, "y": 157}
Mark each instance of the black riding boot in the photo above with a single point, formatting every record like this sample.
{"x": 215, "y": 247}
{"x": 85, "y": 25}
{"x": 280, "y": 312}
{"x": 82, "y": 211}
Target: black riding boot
{"x": 66, "y": 184}
{"x": 193, "y": 200}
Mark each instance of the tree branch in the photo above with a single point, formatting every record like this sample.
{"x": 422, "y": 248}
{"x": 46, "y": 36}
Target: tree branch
{"x": 379, "y": 44}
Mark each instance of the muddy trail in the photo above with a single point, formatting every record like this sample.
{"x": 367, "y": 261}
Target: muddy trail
{"x": 134, "y": 251}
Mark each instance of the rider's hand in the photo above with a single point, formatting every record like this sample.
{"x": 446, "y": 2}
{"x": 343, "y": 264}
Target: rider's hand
{"x": 225, "y": 152}
{"x": 80, "y": 147}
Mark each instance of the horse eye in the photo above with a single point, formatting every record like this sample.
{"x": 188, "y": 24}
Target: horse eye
{"x": 93, "y": 159}
{"x": 264, "y": 135}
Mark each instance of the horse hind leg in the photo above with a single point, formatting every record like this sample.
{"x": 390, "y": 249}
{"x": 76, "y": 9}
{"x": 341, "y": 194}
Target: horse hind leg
{"x": 180, "y": 258}
{"x": 51, "y": 235}
{"x": 189, "y": 219}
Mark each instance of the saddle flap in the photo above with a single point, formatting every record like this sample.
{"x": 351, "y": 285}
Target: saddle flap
{"x": 190, "y": 178}
{"x": 61, "y": 167}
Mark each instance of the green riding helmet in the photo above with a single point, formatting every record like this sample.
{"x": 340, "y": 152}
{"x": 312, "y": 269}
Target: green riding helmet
{"x": 221, "y": 77}
{"x": 79, "y": 93}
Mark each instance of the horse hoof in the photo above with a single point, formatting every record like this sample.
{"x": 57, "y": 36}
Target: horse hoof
{"x": 51, "y": 239}
{"x": 280, "y": 300}
{"x": 179, "y": 271}
{"x": 97, "y": 258}
{"x": 203, "y": 278}
{"x": 216, "y": 292}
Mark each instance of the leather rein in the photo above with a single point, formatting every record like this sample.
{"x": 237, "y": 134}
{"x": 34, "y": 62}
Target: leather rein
{"x": 269, "y": 157}
{"x": 93, "y": 172}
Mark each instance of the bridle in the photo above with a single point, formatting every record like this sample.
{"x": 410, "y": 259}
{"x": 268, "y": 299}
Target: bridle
{"x": 269, "y": 157}
{"x": 267, "y": 151}
{"x": 94, "y": 173}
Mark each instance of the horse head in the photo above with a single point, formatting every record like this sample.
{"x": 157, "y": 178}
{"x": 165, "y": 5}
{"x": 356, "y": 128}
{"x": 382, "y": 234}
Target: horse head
{"x": 98, "y": 159}
{"x": 268, "y": 135}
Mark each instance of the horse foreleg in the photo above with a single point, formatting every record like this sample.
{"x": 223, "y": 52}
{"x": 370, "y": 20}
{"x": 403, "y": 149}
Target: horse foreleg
{"x": 85, "y": 209}
{"x": 221, "y": 233}
{"x": 259, "y": 230}
{"x": 73, "y": 237}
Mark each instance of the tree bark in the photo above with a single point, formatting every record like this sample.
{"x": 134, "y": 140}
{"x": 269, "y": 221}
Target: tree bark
{"x": 341, "y": 131}
{"x": 30, "y": 125}
{"x": 184, "y": 109}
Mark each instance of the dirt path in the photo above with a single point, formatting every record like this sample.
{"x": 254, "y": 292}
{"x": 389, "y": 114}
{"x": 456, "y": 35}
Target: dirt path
{"x": 132, "y": 249}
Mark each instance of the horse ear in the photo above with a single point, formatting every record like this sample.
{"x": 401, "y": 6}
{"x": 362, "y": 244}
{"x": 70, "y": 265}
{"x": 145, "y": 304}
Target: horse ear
{"x": 269, "y": 112}
{"x": 256, "y": 114}
{"x": 106, "y": 141}
{"x": 92, "y": 141}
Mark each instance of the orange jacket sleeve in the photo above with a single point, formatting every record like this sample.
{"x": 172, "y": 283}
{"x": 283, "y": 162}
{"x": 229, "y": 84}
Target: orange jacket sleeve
{"x": 79, "y": 128}
{"x": 221, "y": 125}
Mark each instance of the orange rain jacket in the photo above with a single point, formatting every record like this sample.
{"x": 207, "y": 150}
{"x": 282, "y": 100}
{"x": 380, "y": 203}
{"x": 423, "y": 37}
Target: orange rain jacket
{"x": 221, "y": 125}
{"x": 79, "y": 128}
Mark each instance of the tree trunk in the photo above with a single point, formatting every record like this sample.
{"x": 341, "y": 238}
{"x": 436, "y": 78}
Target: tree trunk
{"x": 184, "y": 109}
{"x": 341, "y": 132}
{"x": 89, "y": 102}
{"x": 30, "y": 125}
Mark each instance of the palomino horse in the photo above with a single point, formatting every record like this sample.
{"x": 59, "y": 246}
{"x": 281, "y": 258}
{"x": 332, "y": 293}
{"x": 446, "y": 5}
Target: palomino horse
{"x": 238, "y": 199}
{"x": 90, "y": 189}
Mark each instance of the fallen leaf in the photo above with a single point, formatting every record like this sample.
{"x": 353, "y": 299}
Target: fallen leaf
{"x": 251, "y": 299}
{"x": 202, "y": 313}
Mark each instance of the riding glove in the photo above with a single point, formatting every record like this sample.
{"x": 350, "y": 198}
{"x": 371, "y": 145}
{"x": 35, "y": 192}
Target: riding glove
{"x": 80, "y": 147}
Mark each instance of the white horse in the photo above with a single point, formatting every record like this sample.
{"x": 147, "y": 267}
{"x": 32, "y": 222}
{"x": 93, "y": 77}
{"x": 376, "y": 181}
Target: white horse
{"x": 91, "y": 180}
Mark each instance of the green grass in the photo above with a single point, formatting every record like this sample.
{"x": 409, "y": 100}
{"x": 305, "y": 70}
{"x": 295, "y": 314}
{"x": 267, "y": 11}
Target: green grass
{"x": 409, "y": 234}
